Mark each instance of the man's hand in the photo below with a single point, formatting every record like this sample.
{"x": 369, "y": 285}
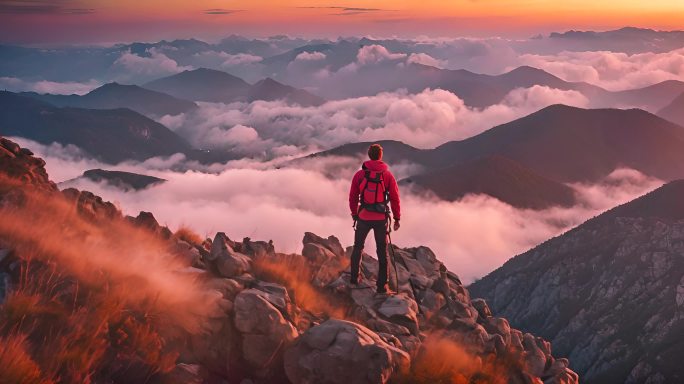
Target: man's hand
{"x": 355, "y": 218}
{"x": 396, "y": 225}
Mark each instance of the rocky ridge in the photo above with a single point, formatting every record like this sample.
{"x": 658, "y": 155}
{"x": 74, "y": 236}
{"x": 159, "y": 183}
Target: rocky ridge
{"x": 294, "y": 318}
{"x": 609, "y": 294}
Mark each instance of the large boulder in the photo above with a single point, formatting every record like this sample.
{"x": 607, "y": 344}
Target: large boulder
{"x": 265, "y": 332}
{"x": 339, "y": 351}
{"x": 225, "y": 259}
{"x": 325, "y": 257}
{"x": 401, "y": 309}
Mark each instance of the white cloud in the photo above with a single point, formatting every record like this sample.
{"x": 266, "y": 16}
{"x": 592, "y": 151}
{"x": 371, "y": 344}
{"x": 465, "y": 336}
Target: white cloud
{"x": 44, "y": 86}
{"x": 612, "y": 70}
{"x": 248, "y": 199}
{"x": 310, "y": 56}
{"x": 131, "y": 67}
{"x": 224, "y": 59}
{"x": 425, "y": 120}
{"x": 374, "y": 54}
{"x": 425, "y": 59}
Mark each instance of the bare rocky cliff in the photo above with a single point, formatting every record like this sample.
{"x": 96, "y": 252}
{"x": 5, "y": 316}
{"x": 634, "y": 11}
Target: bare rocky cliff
{"x": 608, "y": 294}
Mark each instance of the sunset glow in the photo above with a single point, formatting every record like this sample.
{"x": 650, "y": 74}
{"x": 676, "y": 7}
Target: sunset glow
{"x": 107, "y": 21}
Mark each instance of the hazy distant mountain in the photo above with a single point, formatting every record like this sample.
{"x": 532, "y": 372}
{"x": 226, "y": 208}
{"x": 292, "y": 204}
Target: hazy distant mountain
{"x": 202, "y": 85}
{"x": 674, "y": 111}
{"x": 217, "y": 86}
{"x": 562, "y": 143}
{"x": 114, "y": 95}
{"x": 128, "y": 181}
{"x": 269, "y": 89}
{"x": 629, "y": 40}
{"x": 653, "y": 98}
{"x": 609, "y": 294}
{"x": 497, "y": 177}
{"x": 112, "y": 135}
{"x": 394, "y": 151}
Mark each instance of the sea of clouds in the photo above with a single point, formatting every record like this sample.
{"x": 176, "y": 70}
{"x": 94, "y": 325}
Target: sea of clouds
{"x": 264, "y": 196}
{"x": 259, "y": 200}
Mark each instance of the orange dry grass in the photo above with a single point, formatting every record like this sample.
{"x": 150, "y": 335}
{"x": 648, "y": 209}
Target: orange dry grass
{"x": 443, "y": 360}
{"x": 132, "y": 264}
{"x": 17, "y": 365}
{"x": 96, "y": 299}
{"x": 188, "y": 235}
{"x": 294, "y": 273}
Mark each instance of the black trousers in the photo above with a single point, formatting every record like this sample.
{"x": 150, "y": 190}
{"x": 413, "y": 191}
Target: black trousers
{"x": 379, "y": 228}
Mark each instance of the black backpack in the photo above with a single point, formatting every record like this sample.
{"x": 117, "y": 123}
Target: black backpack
{"x": 374, "y": 196}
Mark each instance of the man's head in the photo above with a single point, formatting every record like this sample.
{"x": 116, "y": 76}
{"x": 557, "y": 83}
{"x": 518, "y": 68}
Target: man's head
{"x": 375, "y": 152}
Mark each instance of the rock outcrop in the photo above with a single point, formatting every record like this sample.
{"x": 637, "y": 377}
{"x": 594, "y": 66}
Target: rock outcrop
{"x": 291, "y": 318}
{"x": 608, "y": 294}
{"x": 339, "y": 351}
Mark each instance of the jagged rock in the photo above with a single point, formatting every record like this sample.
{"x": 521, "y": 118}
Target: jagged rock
{"x": 332, "y": 243}
{"x": 339, "y": 351}
{"x": 605, "y": 293}
{"x": 20, "y": 164}
{"x": 258, "y": 249}
{"x": 402, "y": 310}
{"x": 277, "y": 295}
{"x": 265, "y": 332}
{"x": 91, "y": 205}
{"x": 482, "y": 308}
{"x": 146, "y": 220}
{"x": 498, "y": 326}
{"x": 187, "y": 253}
{"x": 326, "y": 258}
{"x": 228, "y": 262}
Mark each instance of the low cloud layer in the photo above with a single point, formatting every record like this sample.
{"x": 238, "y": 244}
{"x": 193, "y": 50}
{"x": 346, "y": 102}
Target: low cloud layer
{"x": 251, "y": 199}
{"x": 425, "y": 120}
{"x": 133, "y": 68}
{"x": 612, "y": 70}
{"x": 14, "y": 84}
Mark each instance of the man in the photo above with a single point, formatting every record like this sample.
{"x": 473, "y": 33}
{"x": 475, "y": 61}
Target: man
{"x": 373, "y": 188}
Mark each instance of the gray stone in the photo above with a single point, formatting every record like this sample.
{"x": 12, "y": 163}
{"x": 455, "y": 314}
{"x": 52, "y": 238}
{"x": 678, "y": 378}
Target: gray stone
{"x": 265, "y": 332}
{"x": 343, "y": 352}
{"x": 228, "y": 262}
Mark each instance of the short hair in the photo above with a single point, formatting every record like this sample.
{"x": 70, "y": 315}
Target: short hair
{"x": 375, "y": 152}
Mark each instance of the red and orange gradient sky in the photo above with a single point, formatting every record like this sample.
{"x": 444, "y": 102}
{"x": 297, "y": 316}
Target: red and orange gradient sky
{"x": 92, "y": 21}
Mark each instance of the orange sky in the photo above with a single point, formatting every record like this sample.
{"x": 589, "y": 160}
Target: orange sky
{"x": 124, "y": 20}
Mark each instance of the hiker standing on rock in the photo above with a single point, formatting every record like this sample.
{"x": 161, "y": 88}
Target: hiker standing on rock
{"x": 373, "y": 190}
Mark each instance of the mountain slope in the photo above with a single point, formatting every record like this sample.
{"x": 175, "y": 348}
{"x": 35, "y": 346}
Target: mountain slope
{"x": 497, "y": 177}
{"x": 119, "y": 179}
{"x": 201, "y": 85}
{"x": 674, "y": 111}
{"x": 393, "y": 151}
{"x": 652, "y": 98}
{"x": 217, "y": 86}
{"x": 561, "y": 143}
{"x": 112, "y": 135}
{"x": 114, "y": 95}
{"x": 571, "y": 144}
{"x": 609, "y": 293}
{"x": 269, "y": 89}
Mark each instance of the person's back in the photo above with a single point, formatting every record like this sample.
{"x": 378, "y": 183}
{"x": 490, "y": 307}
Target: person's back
{"x": 373, "y": 191}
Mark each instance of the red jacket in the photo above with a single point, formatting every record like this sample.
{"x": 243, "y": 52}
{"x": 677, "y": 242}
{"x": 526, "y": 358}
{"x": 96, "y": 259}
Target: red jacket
{"x": 390, "y": 184}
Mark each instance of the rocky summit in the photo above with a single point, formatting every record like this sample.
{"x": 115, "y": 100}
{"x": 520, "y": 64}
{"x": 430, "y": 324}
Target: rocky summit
{"x": 275, "y": 318}
{"x": 608, "y": 294}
